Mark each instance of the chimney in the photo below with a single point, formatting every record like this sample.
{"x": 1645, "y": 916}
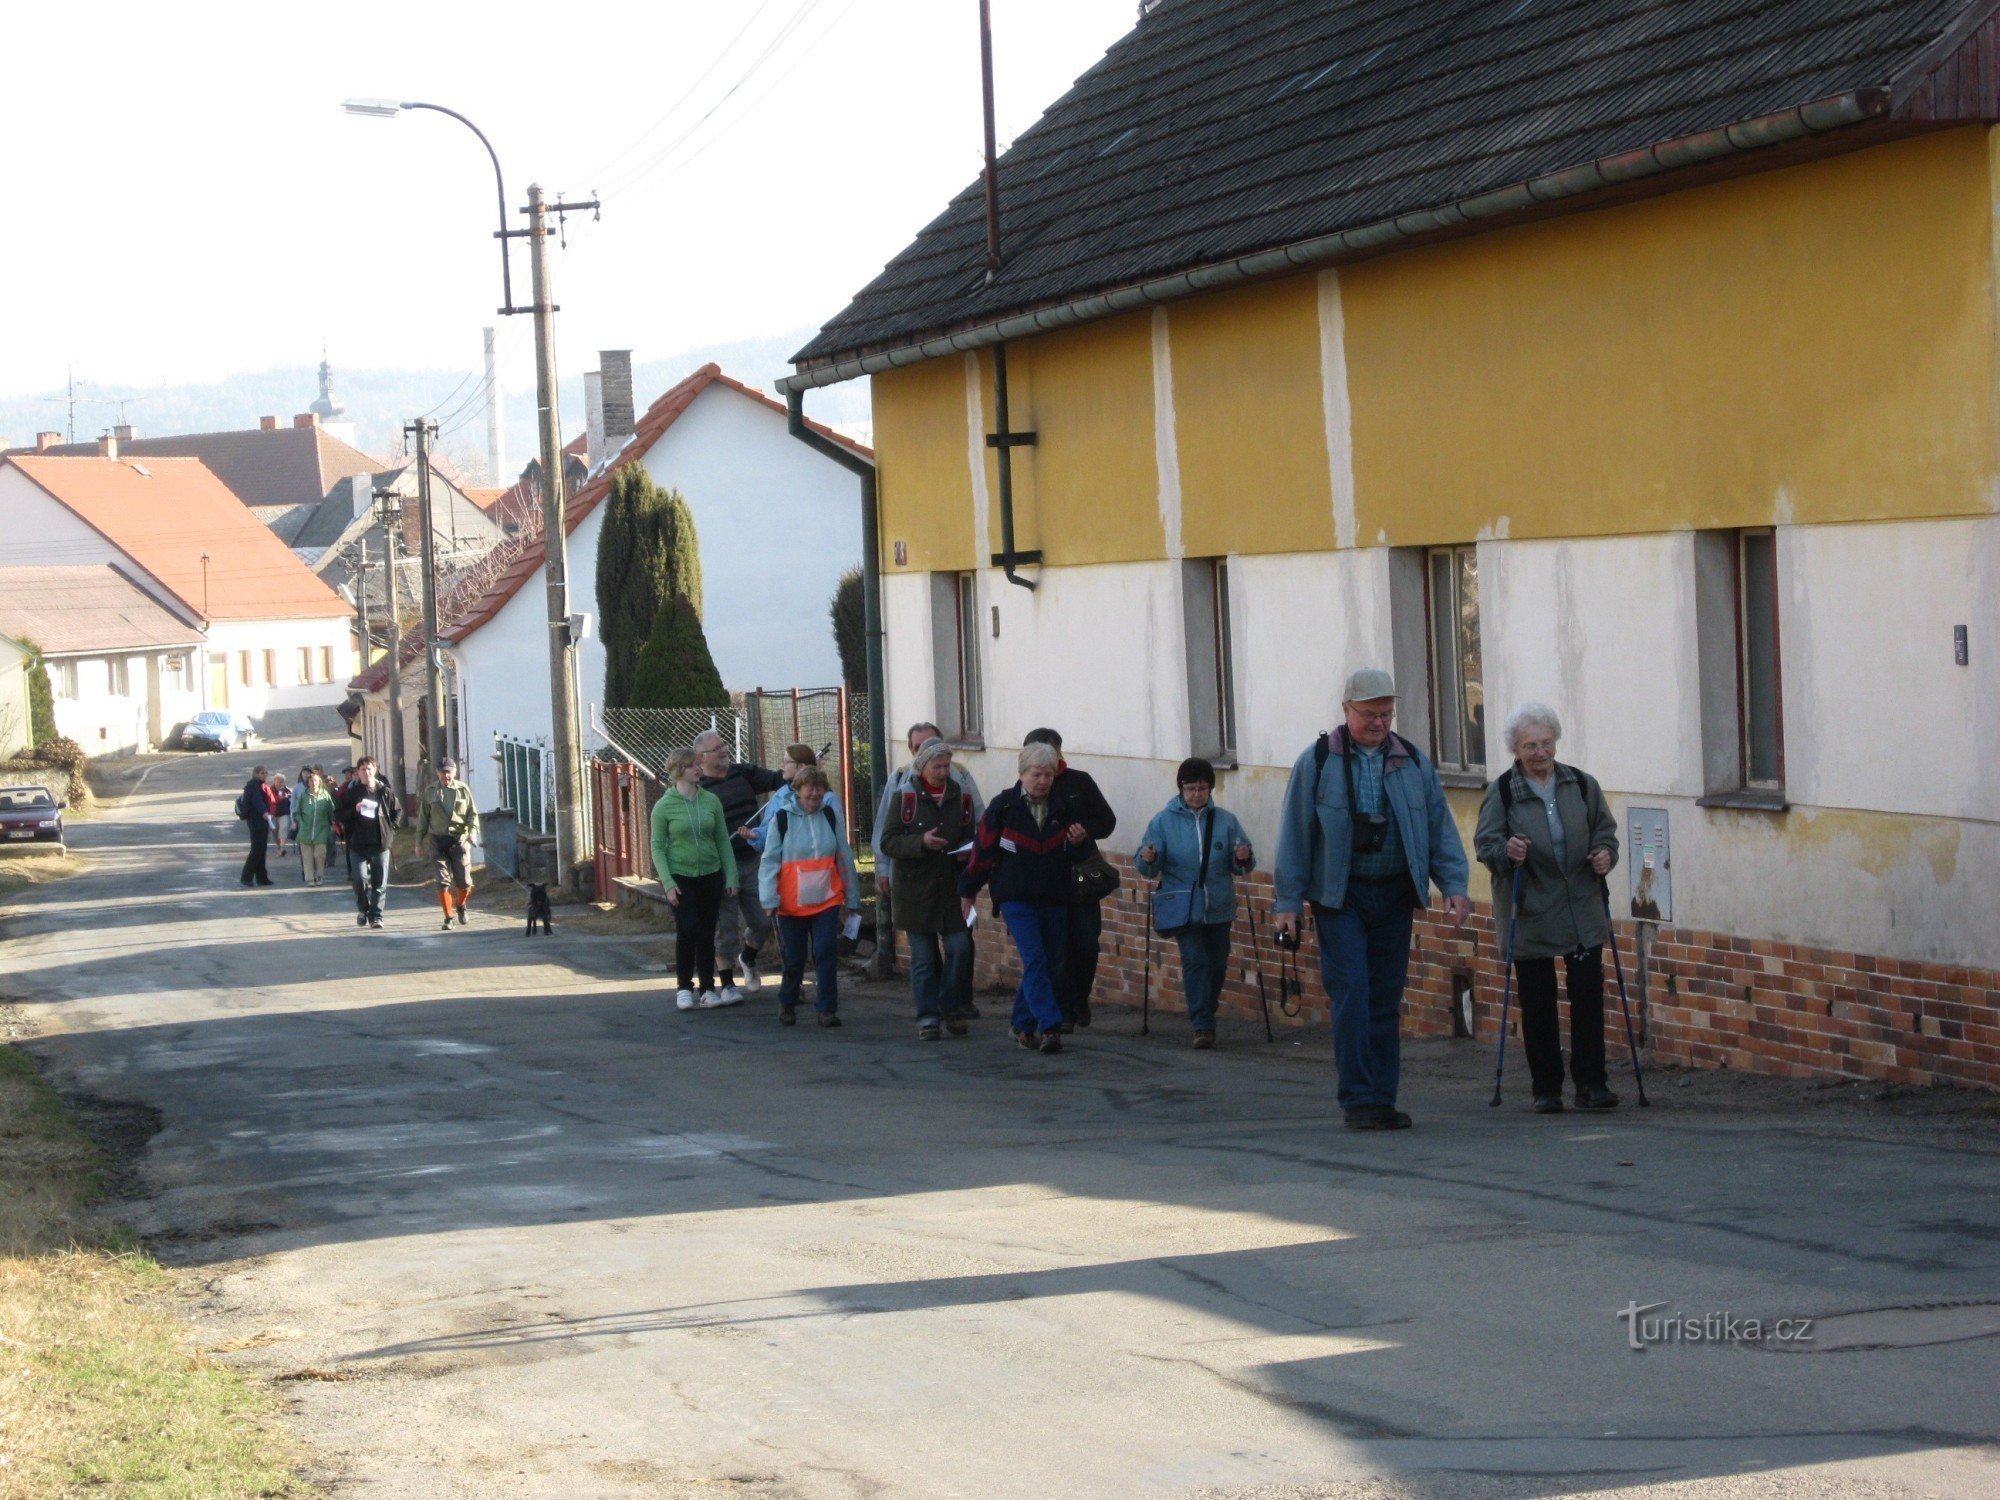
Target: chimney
{"x": 46, "y": 440}
{"x": 593, "y": 418}
{"x": 615, "y": 368}
{"x": 267, "y": 424}
{"x": 125, "y": 432}
{"x": 306, "y": 419}
{"x": 361, "y": 495}
{"x": 107, "y": 446}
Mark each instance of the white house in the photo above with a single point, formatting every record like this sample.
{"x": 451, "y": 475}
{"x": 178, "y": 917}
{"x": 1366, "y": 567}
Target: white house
{"x": 278, "y": 643}
{"x": 778, "y": 523}
{"x": 122, "y": 665}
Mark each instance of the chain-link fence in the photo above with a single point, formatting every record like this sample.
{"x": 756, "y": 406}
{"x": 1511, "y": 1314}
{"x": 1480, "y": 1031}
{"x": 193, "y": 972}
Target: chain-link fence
{"x": 647, "y": 734}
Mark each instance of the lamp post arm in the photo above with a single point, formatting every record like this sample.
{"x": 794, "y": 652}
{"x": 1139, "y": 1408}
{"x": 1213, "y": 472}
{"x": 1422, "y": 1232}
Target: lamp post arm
{"x": 499, "y": 182}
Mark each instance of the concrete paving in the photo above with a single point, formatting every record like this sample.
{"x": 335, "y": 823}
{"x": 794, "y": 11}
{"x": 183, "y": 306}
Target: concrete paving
{"x": 505, "y": 1223}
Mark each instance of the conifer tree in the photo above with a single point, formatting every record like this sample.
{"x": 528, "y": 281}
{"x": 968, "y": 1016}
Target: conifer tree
{"x": 648, "y": 581}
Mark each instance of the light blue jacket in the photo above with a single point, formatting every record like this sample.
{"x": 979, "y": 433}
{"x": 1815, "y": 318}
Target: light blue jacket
{"x": 808, "y": 838}
{"x": 1176, "y": 833}
{"x": 786, "y": 798}
{"x": 1315, "y": 869}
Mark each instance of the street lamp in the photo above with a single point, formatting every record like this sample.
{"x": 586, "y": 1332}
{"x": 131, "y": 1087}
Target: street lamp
{"x": 563, "y": 715}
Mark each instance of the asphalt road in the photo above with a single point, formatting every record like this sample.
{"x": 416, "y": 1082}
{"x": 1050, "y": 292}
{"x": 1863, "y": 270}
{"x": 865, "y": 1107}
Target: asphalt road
{"x": 505, "y": 1223}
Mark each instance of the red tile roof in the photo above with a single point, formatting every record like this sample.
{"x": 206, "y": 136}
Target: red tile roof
{"x": 485, "y": 498}
{"x": 661, "y": 415}
{"x": 164, "y": 513}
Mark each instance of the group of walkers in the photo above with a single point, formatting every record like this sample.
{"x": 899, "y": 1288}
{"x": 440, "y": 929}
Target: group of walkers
{"x": 360, "y": 812}
{"x": 1365, "y": 836}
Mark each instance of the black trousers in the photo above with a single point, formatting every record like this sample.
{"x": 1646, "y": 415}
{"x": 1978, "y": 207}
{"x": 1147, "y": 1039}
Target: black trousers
{"x": 1076, "y": 973}
{"x": 1541, "y": 1035}
{"x": 254, "y": 872}
{"x": 694, "y": 929}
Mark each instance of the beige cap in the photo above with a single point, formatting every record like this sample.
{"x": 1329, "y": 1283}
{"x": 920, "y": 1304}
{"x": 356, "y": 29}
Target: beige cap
{"x": 1366, "y": 684}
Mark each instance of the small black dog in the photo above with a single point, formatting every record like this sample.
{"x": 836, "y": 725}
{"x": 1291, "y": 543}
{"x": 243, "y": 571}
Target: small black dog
{"x": 538, "y": 909}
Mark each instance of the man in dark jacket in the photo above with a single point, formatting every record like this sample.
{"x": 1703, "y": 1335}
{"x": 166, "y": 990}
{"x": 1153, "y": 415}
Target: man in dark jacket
{"x": 255, "y": 810}
{"x": 743, "y": 926}
{"x": 366, "y": 813}
{"x": 1079, "y": 805}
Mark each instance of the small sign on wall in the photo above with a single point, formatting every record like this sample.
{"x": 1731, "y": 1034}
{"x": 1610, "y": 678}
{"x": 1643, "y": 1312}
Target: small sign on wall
{"x": 1649, "y": 864}
{"x": 902, "y": 554}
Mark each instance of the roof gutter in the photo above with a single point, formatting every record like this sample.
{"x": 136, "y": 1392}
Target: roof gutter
{"x": 1801, "y": 122}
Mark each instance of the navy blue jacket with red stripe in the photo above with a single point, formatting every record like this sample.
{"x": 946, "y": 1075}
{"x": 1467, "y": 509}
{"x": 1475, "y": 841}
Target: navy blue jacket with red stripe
{"x": 1023, "y": 862}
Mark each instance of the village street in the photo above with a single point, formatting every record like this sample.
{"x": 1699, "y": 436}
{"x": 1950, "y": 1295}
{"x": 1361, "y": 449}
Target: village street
{"x": 506, "y": 1224}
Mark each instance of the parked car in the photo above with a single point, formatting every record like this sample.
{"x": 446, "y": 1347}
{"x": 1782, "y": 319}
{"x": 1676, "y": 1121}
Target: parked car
{"x": 217, "y": 729}
{"x": 30, "y": 814}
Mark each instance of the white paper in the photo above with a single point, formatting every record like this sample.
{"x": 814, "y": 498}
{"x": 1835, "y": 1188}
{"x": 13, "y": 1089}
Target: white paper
{"x": 851, "y": 928}
{"x": 972, "y": 917}
{"x": 964, "y": 848}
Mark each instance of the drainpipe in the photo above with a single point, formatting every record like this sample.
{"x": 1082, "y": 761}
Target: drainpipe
{"x": 1003, "y": 439}
{"x": 871, "y": 594}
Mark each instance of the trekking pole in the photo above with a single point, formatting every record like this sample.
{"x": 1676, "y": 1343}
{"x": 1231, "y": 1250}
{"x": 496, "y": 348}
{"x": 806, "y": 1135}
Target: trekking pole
{"x": 1257, "y": 957}
{"x": 1624, "y": 1000}
{"x": 1146, "y": 987}
{"x": 1507, "y": 984}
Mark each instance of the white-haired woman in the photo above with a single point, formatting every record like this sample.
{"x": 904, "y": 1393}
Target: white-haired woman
{"x": 1550, "y": 822}
{"x": 1025, "y": 851}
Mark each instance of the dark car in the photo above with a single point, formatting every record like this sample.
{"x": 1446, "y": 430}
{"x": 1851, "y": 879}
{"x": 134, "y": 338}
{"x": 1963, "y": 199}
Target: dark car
{"x": 216, "y": 729}
{"x": 30, "y": 815}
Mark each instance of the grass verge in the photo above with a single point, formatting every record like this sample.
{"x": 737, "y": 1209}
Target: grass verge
{"x": 99, "y": 1392}
{"x": 20, "y": 868}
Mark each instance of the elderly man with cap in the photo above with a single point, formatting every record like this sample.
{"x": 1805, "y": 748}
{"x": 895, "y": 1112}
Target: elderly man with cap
{"x": 1364, "y": 835}
{"x": 449, "y": 820}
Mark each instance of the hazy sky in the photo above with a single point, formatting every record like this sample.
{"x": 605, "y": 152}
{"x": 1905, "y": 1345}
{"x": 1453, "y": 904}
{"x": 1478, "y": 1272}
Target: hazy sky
{"x": 191, "y": 200}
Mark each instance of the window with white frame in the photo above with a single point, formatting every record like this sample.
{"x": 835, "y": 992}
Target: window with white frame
{"x": 1458, "y": 690}
{"x": 62, "y": 679}
{"x": 955, "y": 654}
{"x": 121, "y": 676}
{"x": 1211, "y": 666}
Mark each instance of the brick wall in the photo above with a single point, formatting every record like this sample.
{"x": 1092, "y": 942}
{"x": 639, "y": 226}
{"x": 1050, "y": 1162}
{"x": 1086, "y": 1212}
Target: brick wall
{"x": 1704, "y": 999}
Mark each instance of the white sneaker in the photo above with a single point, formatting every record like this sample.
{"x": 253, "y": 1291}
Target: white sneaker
{"x": 715, "y": 999}
{"x": 731, "y": 996}
{"x": 752, "y": 980}
{"x": 684, "y": 1000}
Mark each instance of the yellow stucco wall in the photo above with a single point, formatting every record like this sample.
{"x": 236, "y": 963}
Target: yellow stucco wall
{"x": 1809, "y": 345}
{"x": 1250, "y": 420}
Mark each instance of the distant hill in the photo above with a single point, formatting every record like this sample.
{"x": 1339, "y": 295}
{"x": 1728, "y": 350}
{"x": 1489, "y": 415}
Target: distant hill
{"x": 380, "y": 400}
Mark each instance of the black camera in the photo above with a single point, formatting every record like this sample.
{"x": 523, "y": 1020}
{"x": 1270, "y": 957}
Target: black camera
{"x": 1371, "y": 832}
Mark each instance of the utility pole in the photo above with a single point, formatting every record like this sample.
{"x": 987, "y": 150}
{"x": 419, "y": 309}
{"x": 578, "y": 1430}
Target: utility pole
{"x": 434, "y": 747}
{"x": 361, "y": 608}
{"x": 392, "y": 522}
{"x": 496, "y": 445}
{"x": 563, "y": 716}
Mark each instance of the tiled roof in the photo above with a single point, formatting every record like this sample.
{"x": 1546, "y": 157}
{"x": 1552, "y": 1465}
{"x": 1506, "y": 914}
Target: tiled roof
{"x": 279, "y": 466}
{"x": 164, "y": 513}
{"x": 485, "y": 496}
{"x": 73, "y": 611}
{"x": 660, "y": 416}
{"x": 1217, "y": 129}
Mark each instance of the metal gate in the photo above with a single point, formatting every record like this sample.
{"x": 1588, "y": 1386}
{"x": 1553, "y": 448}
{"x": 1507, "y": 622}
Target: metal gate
{"x": 621, "y": 799}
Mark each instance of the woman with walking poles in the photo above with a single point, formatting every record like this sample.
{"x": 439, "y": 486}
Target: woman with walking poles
{"x": 1196, "y": 850}
{"x": 807, "y": 882}
{"x": 1024, "y": 850}
{"x": 923, "y": 829}
{"x": 694, "y": 862}
{"x": 1549, "y": 839}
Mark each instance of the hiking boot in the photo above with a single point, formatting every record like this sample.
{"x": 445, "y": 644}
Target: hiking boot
{"x": 955, "y": 1026}
{"x": 826, "y": 1018}
{"x": 788, "y": 1015}
{"x": 1027, "y": 1039}
{"x": 1548, "y": 1104}
{"x": 929, "y": 1031}
{"x": 1596, "y": 1096}
{"x": 1203, "y": 1040}
{"x": 447, "y": 924}
{"x": 1050, "y": 1043}
{"x": 1376, "y": 1117}
{"x": 461, "y": 916}
{"x": 361, "y": 919}
{"x": 375, "y": 922}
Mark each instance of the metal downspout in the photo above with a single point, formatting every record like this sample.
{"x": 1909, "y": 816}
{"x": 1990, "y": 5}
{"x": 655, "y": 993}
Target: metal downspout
{"x": 871, "y": 594}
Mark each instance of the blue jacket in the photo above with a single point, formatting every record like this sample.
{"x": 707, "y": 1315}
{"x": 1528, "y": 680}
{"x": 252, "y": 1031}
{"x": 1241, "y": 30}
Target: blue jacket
{"x": 1176, "y": 833}
{"x": 813, "y": 837}
{"x": 1315, "y": 869}
{"x": 786, "y": 798}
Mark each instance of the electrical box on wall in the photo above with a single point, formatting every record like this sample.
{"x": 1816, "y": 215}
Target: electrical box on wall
{"x": 1649, "y": 864}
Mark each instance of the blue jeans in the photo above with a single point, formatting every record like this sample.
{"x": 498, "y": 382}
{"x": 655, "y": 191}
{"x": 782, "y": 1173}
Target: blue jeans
{"x": 1039, "y": 933}
{"x": 821, "y": 934}
{"x": 1364, "y": 961}
{"x": 1204, "y": 967}
{"x": 940, "y": 971}
{"x": 371, "y": 874}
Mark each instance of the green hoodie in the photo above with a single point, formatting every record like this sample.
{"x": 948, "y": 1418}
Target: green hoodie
{"x": 690, "y": 837}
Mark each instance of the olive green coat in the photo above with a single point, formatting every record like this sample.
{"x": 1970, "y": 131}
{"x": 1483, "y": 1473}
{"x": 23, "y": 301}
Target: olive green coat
{"x": 1562, "y": 909}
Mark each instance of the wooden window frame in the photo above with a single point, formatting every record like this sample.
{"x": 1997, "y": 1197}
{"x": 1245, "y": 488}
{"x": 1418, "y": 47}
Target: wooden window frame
{"x": 1435, "y": 686}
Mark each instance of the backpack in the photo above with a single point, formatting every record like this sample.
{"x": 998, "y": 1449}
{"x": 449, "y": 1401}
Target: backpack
{"x": 242, "y": 812}
{"x": 783, "y": 821}
{"x": 1322, "y": 748}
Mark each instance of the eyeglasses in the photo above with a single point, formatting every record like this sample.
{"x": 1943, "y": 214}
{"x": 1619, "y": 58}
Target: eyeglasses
{"x": 1373, "y": 716}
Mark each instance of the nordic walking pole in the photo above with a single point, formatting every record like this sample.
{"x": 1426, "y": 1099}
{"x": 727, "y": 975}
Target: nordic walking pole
{"x": 1507, "y": 985}
{"x": 1146, "y": 988}
{"x": 1257, "y": 957}
{"x": 1624, "y": 1000}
